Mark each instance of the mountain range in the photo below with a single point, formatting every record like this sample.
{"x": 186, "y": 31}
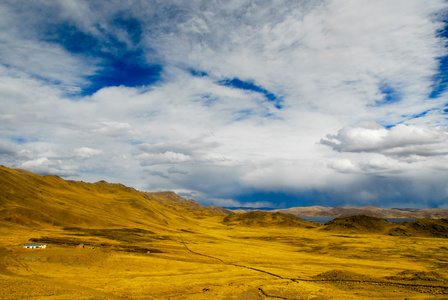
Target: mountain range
{"x": 32, "y": 200}
{"x": 320, "y": 211}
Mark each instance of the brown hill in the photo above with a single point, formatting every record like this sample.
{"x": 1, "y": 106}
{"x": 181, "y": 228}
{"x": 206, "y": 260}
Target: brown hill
{"x": 368, "y": 224}
{"x": 181, "y": 204}
{"x": 28, "y": 199}
{"x": 424, "y": 227}
{"x": 358, "y": 224}
{"x": 264, "y": 219}
{"x": 319, "y": 211}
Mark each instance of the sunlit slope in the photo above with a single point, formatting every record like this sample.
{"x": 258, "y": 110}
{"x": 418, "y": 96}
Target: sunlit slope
{"x": 181, "y": 204}
{"x": 31, "y": 200}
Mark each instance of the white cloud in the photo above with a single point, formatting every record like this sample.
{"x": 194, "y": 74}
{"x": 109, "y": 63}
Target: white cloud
{"x": 162, "y": 158}
{"x": 325, "y": 60}
{"x": 401, "y": 140}
{"x": 86, "y": 152}
{"x": 113, "y": 128}
{"x": 23, "y": 52}
{"x": 48, "y": 167}
{"x": 344, "y": 166}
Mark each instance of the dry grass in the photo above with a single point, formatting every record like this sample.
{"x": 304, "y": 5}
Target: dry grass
{"x": 154, "y": 250}
{"x": 218, "y": 262}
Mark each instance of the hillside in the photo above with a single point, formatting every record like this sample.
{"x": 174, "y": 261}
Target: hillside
{"x": 181, "y": 204}
{"x": 109, "y": 241}
{"x": 424, "y": 227}
{"x": 267, "y": 219}
{"x": 437, "y": 228}
{"x": 359, "y": 224}
{"x": 31, "y": 200}
{"x": 319, "y": 211}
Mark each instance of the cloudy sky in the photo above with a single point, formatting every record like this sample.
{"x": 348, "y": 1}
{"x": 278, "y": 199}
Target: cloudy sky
{"x": 234, "y": 102}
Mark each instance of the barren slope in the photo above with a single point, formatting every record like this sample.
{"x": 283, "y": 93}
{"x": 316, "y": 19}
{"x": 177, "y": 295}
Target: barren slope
{"x": 367, "y": 224}
{"x": 267, "y": 219}
{"x": 320, "y": 211}
{"x": 31, "y": 200}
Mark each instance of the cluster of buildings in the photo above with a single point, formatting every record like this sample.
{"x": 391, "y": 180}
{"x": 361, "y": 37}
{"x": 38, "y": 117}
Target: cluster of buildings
{"x": 40, "y": 246}
{"x": 34, "y": 246}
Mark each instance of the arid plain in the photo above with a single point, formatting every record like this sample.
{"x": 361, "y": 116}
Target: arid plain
{"x": 108, "y": 241}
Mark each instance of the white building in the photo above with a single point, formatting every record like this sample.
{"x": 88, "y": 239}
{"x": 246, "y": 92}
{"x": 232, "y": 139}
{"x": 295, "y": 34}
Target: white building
{"x": 34, "y": 246}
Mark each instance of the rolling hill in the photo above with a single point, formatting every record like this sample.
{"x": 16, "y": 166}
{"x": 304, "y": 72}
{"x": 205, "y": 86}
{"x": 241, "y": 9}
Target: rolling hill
{"x": 320, "y": 211}
{"x": 32, "y": 200}
{"x": 267, "y": 219}
{"x": 367, "y": 224}
{"x": 359, "y": 224}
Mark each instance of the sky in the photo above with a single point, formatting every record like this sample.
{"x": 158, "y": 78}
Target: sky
{"x": 235, "y": 103}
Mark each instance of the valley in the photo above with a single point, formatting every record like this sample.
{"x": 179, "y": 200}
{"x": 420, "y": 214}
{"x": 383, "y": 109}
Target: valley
{"x": 108, "y": 241}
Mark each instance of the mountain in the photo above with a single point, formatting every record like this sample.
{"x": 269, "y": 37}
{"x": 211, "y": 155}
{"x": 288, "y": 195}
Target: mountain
{"x": 358, "y": 224}
{"x": 424, "y": 227}
{"x": 109, "y": 241}
{"x": 319, "y": 211}
{"x": 367, "y": 224}
{"x": 32, "y": 200}
{"x": 181, "y": 204}
{"x": 267, "y": 219}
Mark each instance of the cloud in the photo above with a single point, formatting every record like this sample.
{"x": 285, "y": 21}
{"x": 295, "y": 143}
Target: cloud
{"x": 113, "y": 128}
{"x": 157, "y": 174}
{"x": 297, "y": 102}
{"x": 344, "y": 166}
{"x": 86, "y": 152}
{"x": 26, "y": 55}
{"x": 233, "y": 203}
{"x": 160, "y": 158}
{"x": 45, "y": 166}
{"x": 7, "y": 149}
{"x": 401, "y": 140}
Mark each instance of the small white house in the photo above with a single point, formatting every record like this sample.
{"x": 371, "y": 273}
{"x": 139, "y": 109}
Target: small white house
{"x": 34, "y": 246}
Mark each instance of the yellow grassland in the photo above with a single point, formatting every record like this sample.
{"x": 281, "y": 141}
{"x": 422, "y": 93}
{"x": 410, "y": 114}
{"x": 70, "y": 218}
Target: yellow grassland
{"x": 145, "y": 249}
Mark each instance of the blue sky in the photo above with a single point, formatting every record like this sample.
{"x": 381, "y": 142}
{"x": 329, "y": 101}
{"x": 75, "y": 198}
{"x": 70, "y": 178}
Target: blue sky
{"x": 232, "y": 103}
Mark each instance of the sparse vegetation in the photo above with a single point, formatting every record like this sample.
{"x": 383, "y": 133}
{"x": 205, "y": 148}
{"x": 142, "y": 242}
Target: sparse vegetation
{"x": 267, "y": 219}
{"x": 368, "y": 224}
{"x": 107, "y": 241}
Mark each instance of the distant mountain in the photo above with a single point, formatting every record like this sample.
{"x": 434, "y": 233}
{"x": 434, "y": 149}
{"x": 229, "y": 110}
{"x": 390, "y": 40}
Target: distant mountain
{"x": 367, "y": 224}
{"x": 359, "y": 224}
{"x": 267, "y": 219}
{"x": 248, "y": 209}
{"x": 319, "y": 211}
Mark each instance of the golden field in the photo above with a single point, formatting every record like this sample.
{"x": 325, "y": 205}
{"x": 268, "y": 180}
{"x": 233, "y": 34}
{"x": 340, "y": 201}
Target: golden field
{"x": 160, "y": 246}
